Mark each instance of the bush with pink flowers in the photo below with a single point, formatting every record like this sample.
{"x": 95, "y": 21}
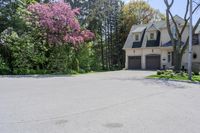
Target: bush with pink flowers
{"x": 58, "y": 22}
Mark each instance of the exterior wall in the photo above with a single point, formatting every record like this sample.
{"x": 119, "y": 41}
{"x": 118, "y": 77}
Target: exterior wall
{"x": 196, "y": 49}
{"x": 199, "y": 37}
{"x": 185, "y": 34}
{"x": 148, "y": 51}
{"x": 143, "y": 51}
{"x": 164, "y": 59}
{"x": 164, "y": 55}
{"x": 166, "y": 38}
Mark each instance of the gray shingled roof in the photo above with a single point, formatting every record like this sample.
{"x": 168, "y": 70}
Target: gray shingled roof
{"x": 179, "y": 20}
{"x": 129, "y": 40}
{"x": 141, "y": 27}
{"x": 158, "y": 25}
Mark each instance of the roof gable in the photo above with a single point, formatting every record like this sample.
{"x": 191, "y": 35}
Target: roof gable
{"x": 157, "y": 25}
{"x": 139, "y": 29}
{"x": 179, "y": 20}
{"x": 152, "y": 27}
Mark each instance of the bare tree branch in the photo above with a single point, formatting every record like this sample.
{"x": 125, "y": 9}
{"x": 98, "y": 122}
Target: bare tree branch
{"x": 184, "y": 26}
{"x": 168, "y": 13}
{"x": 195, "y": 9}
{"x": 187, "y": 9}
{"x": 185, "y": 17}
{"x": 186, "y": 13}
{"x": 187, "y": 41}
{"x": 168, "y": 23}
{"x": 174, "y": 22}
{"x": 196, "y": 25}
{"x": 169, "y": 5}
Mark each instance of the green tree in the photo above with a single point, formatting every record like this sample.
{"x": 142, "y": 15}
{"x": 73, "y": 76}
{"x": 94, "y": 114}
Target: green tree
{"x": 21, "y": 45}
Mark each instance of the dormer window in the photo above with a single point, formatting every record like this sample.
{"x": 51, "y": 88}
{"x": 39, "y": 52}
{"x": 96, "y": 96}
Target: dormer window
{"x": 136, "y": 37}
{"x": 152, "y": 36}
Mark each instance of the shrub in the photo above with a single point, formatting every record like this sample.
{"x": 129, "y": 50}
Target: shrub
{"x": 168, "y": 71}
{"x": 182, "y": 74}
{"x": 172, "y": 75}
{"x": 82, "y": 71}
{"x": 196, "y": 68}
{"x": 84, "y": 57}
{"x": 168, "y": 74}
{"x": 196, "y": 78}
{"x": 60, "y": 59}
{"x": 20, "y": 71}
{"x": 196, "y": 73}
{"x": 4, "y": 69}
{"x": 26, "y": 52}
{"x": 159, "y": 72}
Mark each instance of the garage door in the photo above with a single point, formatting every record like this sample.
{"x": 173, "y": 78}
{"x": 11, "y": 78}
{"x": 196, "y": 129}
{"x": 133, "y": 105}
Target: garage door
{"x": 134, "y": 62}
{"x": 152, "y": 62}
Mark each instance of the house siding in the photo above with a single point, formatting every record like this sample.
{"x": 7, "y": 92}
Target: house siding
{"x": 158, "y": 50}
{"x": 149, "y": 51}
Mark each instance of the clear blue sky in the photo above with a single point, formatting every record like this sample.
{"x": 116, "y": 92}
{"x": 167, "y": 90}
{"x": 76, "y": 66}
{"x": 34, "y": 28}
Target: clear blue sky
{"x": 178, "y": 7}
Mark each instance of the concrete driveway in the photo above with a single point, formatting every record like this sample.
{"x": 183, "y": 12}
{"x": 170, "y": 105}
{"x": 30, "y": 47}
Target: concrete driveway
{"x": 110, "y": 102}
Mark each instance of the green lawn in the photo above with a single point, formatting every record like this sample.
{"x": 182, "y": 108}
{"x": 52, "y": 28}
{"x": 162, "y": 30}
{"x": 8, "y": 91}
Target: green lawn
{"x": 174, "y": 76}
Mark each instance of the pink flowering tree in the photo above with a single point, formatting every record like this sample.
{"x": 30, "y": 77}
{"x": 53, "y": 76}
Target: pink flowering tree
{"x": 59, "y": 23}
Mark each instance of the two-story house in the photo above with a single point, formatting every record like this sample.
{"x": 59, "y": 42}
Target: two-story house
{"x": 148, "y": 46}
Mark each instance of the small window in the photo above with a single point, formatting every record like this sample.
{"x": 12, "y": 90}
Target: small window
{"x": 152, "y": 37}
{"x": 194, "y": 56}
{"x": 195, "y": 39}
{"x": 169, "y": 57}
{"x": 136, "y": 37}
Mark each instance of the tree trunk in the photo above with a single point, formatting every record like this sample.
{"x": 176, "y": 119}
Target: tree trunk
{"x": 76, "y": 64}
{"x": 102, "y": 51}
{"x": 177, "y": 61}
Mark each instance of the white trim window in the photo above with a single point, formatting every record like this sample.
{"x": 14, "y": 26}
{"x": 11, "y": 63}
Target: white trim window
{"x": 137, "y": 37}
{"x": 152, "y": 36}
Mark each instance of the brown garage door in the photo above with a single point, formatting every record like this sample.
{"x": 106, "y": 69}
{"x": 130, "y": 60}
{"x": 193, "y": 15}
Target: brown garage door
{"x": 152, "y": 62}
{"x": 134, "y": 62}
